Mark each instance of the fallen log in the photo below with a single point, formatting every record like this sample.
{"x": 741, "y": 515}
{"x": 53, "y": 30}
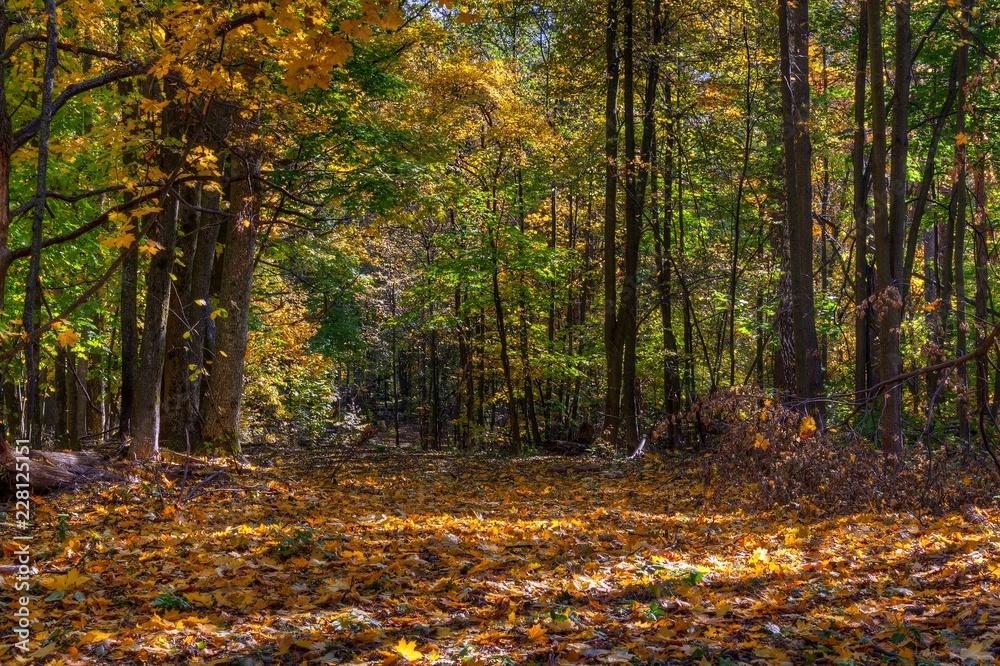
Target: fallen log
{"x": 51, "y": 470}
{"x": 563, "y": 447}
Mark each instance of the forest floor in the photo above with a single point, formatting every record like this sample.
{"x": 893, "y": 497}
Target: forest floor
{"x": 440, "y": 558}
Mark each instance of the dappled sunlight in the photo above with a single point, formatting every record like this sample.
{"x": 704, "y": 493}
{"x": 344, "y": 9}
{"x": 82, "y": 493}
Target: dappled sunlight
{"x": 525, "y": 565}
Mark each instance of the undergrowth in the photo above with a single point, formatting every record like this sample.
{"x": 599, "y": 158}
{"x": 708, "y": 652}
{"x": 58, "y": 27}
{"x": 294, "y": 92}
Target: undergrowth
{"x": 766, "y": 453}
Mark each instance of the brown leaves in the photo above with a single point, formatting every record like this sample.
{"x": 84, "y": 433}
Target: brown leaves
{"x": 413, "y": 559}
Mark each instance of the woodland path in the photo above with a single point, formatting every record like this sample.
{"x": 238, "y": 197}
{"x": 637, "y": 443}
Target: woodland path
{"x": 479, "y": 560}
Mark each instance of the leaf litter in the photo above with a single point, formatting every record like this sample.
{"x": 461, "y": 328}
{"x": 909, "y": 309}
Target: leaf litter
{"x": 446, "y": 559}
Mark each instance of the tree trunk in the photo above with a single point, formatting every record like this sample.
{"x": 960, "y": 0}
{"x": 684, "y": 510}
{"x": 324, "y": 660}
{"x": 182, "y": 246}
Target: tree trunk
{"x": 862, "y": 342}
{"x": 62, "y": 430}
{"x": 636, "y": 178}
{"x": 961, "y": 223}
{"x": 177, "y": 404}
{"x": 32, "y": 293}
{"x": 793, "y": 26}
{"x": 515, "y": 430}
{"x": 72, "y": 403}
{"x": 612, "y": 351}
{"x": 890, "y": 216}
{"x": 980, "y": 226}
{"x": 221, "y": 407}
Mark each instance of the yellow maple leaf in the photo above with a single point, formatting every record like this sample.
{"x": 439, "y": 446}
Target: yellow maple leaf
{"x": 95, "y": 636}
{"x": 807, "y": 427}
{"x": 408, "y": 650}
{"x": 761, "y": 442}
{"x": 977, "y": 652}
{"x": 125, "y": 240}
{"x": 67, "y": 338}
{"x": 537, "y": 632}
{"x": 199, "y": 598}
{"x": 73, "y": 580}
{"x": 961, "y": 139}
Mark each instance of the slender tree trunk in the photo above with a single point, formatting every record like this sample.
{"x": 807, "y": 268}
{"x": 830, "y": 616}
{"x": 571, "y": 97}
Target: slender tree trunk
{"x": 980, "y": 227}
{"x": 395, "y": 371}
{"x": 31, "y": 301}
{"x": 662, "y": 249}
{"x": 961, "y": 223}
{"x": 128, "y": 315}
{"x": 62, "y": 431}
{"x": 547, "y": 398}
{"x": 481, "y": 386}
{"x": 612, "y": 350}
{"x": 95, "y": 388}
{"x": 741, "y": 183}
{"x": 435, "y": 389}
{"x": 72, "y": 403}
{"x": 515, "y": 429}
{"x": 628, "y": 308}
{"x": 862, "y": 342}
{"x": 82, "y": 399}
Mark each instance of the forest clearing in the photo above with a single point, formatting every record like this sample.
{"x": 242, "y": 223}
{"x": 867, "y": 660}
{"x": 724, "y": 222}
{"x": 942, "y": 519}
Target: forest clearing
{"x": 488, "y": 332}
{"x": 442, "y": 559}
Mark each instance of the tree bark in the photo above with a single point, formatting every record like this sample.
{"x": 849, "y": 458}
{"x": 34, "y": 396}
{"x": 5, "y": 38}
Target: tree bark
{"x": 33, "y": 289}
{"x": 793, "y": 26}
{"x": 981, "y": 229}
{"x": 862, "y": 316}
{"x": 961, "y": 224}
{"x": 612, "y": 350}
{"x": 177, "y": 404}
{"x": 515, "y": 429}
{"x": 221, "y": 408}
{"x": 636, "y": 178}
{"x": 890, "y": 215}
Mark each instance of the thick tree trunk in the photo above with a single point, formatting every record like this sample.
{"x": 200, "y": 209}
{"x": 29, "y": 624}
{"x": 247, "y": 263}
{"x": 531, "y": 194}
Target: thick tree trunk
{"x": 221, "y": 405}
{"x": 636, "y": 178}
{"x": 145, "y": 425}
{"x": 793, "y": 26}
{"x": 177, "y": 404}
{"x": 890, "y": 215}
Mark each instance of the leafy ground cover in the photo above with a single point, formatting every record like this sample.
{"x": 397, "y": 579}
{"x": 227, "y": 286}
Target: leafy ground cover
{"x": 437, "y": 558}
